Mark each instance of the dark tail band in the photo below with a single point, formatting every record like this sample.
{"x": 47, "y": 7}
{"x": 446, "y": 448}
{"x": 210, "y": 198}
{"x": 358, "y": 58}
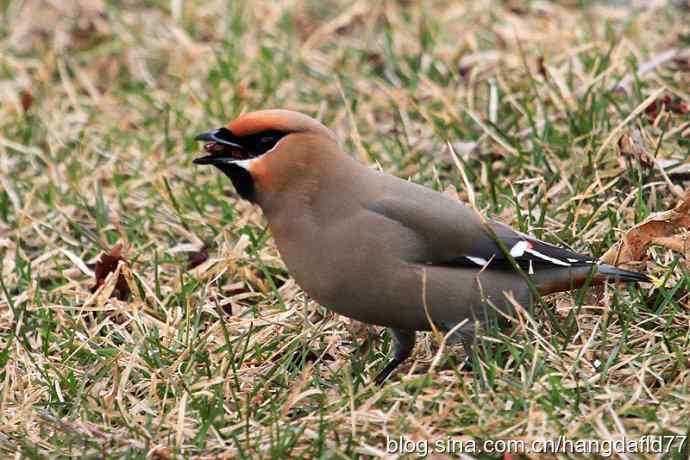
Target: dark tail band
{"x": 569, "y": 278}
{"x": 618, "y": 274}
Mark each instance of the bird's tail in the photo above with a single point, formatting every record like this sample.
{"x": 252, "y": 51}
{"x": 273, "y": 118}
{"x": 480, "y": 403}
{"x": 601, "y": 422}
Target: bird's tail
{"x": 618, "y": 274}
{"x": 566, "y": 279}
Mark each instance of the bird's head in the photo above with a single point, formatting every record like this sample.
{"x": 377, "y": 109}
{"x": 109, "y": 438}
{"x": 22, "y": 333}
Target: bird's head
{"x": 262, "y": 151}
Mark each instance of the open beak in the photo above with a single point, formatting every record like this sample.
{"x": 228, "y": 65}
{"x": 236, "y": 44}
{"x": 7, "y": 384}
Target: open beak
{"x": 220, "y": 151}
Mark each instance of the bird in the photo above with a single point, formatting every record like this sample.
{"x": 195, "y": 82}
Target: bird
{"x": 381, "y": 249}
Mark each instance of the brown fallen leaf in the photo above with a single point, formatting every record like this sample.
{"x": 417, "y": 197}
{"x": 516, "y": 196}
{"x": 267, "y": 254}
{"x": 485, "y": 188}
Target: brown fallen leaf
{"x": 542, "y": 68}
{"x": 678, "y": 243}
{"x": 667, "y": 103}
{"x": 197, "y": 258}
{"x": 107, "y": 264}
{"x": 668, "y": 229}
{"x": 26, "y": 99}
{"x": 632, "y": 145}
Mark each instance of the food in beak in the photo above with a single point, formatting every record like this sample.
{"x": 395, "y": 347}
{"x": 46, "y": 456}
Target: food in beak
{"x": 214, "y": 148}
{"x": 222, "y": 148}
{"x": 227, "y": 151}
{"x": 220, "y": 151}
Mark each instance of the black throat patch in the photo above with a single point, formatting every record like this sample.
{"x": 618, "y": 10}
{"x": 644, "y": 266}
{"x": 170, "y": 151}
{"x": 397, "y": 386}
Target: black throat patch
{"x": 241, "y": 179}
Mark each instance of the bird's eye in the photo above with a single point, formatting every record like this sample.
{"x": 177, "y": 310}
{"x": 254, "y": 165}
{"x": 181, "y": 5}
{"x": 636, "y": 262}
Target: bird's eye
{"x": 260, "y": 143}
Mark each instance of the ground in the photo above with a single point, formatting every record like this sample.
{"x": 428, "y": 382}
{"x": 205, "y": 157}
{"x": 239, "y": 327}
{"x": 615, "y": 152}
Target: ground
{"x": 200, "y": 344}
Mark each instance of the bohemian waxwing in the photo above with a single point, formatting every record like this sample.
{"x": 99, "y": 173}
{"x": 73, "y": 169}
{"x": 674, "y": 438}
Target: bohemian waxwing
{"x": 380, "y": 249}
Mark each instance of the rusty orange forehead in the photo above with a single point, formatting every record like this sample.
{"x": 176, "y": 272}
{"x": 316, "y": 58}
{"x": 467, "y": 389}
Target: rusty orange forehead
{"x": 275, "y": 119}
{"x": 256, "y": 122}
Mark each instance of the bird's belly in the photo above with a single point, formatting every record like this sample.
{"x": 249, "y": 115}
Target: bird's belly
{"x": 358, "y": 284}
{"x": 364, "y": 292}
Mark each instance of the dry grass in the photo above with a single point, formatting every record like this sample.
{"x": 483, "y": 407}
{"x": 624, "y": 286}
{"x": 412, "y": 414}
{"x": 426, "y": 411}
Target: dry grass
{"x": 99, "y": 106}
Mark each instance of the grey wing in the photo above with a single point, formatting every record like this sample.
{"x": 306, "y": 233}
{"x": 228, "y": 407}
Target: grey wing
{"x": 450, "y": 233}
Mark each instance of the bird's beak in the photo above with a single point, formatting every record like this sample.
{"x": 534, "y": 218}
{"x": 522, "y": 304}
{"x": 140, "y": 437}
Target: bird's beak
{"x": 208, "y": 137}
{"x": 220, "y": 151}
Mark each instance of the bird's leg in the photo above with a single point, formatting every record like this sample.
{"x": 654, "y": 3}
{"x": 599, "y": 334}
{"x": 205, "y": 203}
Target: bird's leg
{"x": 467, "y": 334}
{"x": 468, "y": 344}
{"x": 404, "y": 344}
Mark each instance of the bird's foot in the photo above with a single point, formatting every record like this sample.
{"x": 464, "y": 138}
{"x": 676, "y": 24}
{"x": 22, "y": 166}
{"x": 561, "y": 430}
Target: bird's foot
{"x": 466, "y": 365}
{"x": 388, "y": 370}
{"x": 404, "y": 344}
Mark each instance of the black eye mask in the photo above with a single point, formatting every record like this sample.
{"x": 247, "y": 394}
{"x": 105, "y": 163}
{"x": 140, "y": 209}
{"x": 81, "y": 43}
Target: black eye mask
{"x": 222, "y": 143}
